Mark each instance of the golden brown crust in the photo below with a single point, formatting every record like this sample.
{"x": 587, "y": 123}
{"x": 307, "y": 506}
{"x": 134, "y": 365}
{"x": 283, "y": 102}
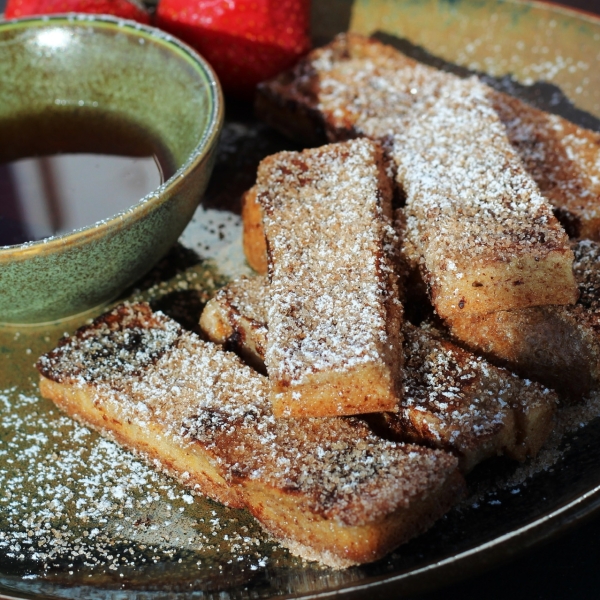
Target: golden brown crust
{"x": 485, "y": 237}
{"x": 255, "y": 244}
{"x": 358, "y": 544}
{"x": 557, "y": 345}
{"x": 334, "y": 317}
{"x": 253, "y": 240}
{"x": 548, "y": 344}
{"x": 561, "y": 157}
{"x": 314, "y": 484}
{"x": 148, "y": 440}
{"x": 452, "y": 399}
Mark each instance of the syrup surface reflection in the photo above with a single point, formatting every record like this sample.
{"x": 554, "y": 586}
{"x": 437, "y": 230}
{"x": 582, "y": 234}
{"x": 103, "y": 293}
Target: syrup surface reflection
{"x": 62, "y": 172}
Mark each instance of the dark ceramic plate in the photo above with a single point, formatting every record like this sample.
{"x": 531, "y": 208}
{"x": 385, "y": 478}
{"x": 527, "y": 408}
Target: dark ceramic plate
{"x": 80, "y": 518}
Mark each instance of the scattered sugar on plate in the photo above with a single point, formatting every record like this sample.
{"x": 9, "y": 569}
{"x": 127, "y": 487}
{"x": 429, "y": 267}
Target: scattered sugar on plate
{"x": 70, "y": 497}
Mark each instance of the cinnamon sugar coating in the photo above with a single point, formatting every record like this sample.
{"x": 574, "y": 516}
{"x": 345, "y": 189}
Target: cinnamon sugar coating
{"x": 562, "y": 158}
{"x": 456, "y": 400}
{"x": 357, "y": 86}
{"x": 236, "y": 319}
{"x": 556, "y": 345}
{"x": 452, "y": 398}
{"x": 334, "y": 316}
{"x": 313, "y": 483}
{"x": 118, "y": 345}
{"x": 352, "y": 87}
{"x": 486, "y": 238}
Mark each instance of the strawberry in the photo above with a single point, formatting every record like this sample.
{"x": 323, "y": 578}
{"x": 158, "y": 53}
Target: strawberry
{"x": 126, "y": 9}
{"x": 246, "y": 41}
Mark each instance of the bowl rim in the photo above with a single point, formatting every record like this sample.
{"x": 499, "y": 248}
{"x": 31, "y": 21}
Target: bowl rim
{"x": 152, "y": 200}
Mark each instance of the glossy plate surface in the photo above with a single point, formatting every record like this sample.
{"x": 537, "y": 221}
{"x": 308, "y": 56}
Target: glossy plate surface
{"x": 81, "y": 518}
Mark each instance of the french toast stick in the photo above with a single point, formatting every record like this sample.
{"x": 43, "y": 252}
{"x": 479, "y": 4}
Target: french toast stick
{"x": 356, "y": 86}
{"x": 236, "y": 318}
{"x": 334, "y": 317}
{"x": 556, "y": 345}
{"x": 327, "y": 489}
{"x": 456, "y": 400}
{"x": 486, "y": 238}
{"x": 452, "y": 399}
{"x": 562, "y": 158}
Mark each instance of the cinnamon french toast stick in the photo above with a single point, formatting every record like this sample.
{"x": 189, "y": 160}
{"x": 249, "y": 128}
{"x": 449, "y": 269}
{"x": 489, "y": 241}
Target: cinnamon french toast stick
{"x": 356, "y": 86}
{"x": 485, "y": 237}
{"x": 452, "y": 399}
{"x": 556, "y": 345}
{"x": 334, "y": 317}
{"x": 327, "y": 489}
{"x": 458, "y": 401}
{"x": 562, "y": 158}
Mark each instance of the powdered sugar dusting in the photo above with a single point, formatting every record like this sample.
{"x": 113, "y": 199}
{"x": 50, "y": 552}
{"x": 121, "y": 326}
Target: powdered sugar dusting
{"x": 361, "y": 87}
{"x": 249, "y": 297}
{"x": 200, "y": 395}
{"x": 72, "y": 500}
{"x": 472, "y": 208}
{"x": 468, "y": 198}
{"x": 458, "y": 399}
{"x": 447, "y": 382}
{"x": 331, "y": 278}
{"x": 562, "y": 158}
{"x": 216, "y": 235}
{"x": 452, "y": 398}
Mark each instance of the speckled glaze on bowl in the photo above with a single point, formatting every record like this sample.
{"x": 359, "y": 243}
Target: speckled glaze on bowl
{"x": 106, "y": 66}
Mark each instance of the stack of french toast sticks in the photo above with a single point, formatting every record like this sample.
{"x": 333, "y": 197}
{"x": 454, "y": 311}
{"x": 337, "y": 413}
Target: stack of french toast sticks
{"x": 342, "y": 425}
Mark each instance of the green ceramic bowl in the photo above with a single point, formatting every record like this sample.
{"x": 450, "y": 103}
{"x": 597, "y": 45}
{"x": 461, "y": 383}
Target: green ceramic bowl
{"x": 121, "y": 71}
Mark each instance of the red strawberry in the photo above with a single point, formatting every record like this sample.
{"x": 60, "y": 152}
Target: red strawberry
{"x": 126, "y": 9}
{"x": 246, "y": 41}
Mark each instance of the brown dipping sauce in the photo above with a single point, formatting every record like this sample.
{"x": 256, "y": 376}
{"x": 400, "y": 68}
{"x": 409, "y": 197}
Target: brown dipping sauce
{"x": 68, "y": 169}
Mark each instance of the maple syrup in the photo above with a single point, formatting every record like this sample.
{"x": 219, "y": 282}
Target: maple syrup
{"x": 69, "y": 169}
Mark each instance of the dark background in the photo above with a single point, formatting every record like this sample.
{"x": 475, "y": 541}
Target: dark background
{"x": 567, "y": 567}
